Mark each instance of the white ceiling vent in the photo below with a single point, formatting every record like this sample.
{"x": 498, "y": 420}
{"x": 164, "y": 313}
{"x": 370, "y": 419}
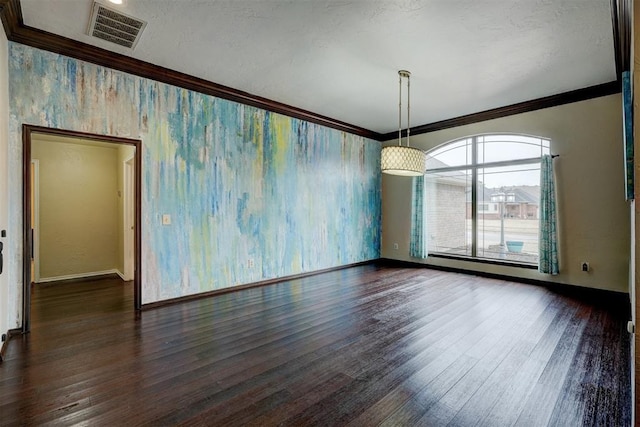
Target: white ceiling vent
{"x": 114, "y": 26}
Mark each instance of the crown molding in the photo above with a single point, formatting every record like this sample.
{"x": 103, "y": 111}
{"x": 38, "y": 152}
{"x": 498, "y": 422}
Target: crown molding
{"x": 11, "y": 16}
{"x": 16, "y": 31}
{"x": 521, "y": 107}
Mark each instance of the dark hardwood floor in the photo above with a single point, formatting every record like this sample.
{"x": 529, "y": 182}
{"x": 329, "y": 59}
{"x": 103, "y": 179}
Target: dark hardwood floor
{"x": 369, "y": 345}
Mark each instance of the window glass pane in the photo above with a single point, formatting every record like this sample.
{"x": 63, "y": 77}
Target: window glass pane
{"x": 457, "y": 153}
{"x": 448, "y": 212}
{"x": 496, "y": 148}
{"x": 508, "y": 227}
{"x": 507, "y": 197}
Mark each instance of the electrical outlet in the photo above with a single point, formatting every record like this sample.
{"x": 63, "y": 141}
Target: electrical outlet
{"x": 584, "y": 266}
{"x": 395, "y": 246}
{"x": 250, "y": 263}
{"x": 166, "y": 219}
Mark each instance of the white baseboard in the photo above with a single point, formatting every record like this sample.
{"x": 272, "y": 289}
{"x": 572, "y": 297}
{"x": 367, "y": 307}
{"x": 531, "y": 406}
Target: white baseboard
{"x": 78, "y": 276}
{"x": 122, "y": 276}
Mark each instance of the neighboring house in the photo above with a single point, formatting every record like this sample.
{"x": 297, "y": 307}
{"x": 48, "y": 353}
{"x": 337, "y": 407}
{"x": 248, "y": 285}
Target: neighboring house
{"x": 525, "y": 205}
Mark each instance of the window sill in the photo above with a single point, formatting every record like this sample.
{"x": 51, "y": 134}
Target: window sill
{"x": 485, "y": 261}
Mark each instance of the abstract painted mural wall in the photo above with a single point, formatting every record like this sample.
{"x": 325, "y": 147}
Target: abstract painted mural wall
{"x": 252, "y": 195}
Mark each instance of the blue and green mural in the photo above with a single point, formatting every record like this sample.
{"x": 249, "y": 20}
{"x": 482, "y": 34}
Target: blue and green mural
{"x": 253, "y": 195}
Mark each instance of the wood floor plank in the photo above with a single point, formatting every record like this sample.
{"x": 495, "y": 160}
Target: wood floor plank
{"x": 369, "y": 345}
{"x": 547, "y": 390}
{"x": 491, "y": 352}
{"x": 585, "y": 371}
{"x": 427, "y": 384}
{"x": 516, "y": 349}
{"x": 532, "y": 355}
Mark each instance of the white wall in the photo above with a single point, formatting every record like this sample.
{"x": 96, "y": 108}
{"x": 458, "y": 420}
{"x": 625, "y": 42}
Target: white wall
{"x": 593, "y": 214}
{"x": 7, "y": 320}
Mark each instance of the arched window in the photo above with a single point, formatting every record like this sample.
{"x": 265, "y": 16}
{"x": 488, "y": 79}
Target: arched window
{"x": 483, "y": 195}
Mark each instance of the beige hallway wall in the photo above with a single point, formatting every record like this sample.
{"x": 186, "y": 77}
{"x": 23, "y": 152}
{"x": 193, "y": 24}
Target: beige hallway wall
{"x": 78, "y": 208}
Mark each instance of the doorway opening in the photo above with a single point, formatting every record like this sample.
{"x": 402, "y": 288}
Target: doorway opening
{"x": 129, "y": 194}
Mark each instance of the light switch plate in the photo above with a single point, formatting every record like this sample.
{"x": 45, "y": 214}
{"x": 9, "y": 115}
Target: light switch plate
{"x": 166, "y": 219}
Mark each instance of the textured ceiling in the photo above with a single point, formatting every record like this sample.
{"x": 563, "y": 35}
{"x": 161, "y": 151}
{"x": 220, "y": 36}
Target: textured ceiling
{"x": 340, "y": 58}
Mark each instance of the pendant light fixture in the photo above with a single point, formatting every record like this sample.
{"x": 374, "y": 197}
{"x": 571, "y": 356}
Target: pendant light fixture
{"x": 400, "y": 159}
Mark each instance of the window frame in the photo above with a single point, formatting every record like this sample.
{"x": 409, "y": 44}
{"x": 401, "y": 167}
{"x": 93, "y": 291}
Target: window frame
{"x": 474, "y": 166}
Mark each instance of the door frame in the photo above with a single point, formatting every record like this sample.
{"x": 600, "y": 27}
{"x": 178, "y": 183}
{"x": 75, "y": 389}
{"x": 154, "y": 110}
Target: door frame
{"x": 128, "y": 216}
{"x": 27, "y": 131}
{"x": 35, "y": 224}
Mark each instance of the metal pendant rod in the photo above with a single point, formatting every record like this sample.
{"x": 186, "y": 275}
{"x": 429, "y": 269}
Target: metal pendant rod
{"x": 407, "y": 75}
{"x": 399, "y": 108}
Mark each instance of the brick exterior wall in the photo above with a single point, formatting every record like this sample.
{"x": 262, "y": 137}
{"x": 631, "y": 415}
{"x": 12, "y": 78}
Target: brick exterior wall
{"x": 446, "y": 215}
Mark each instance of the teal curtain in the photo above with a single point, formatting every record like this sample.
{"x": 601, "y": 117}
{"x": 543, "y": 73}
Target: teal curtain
{"x": 418, "y": 247}
{"x": 548, "y": 238}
